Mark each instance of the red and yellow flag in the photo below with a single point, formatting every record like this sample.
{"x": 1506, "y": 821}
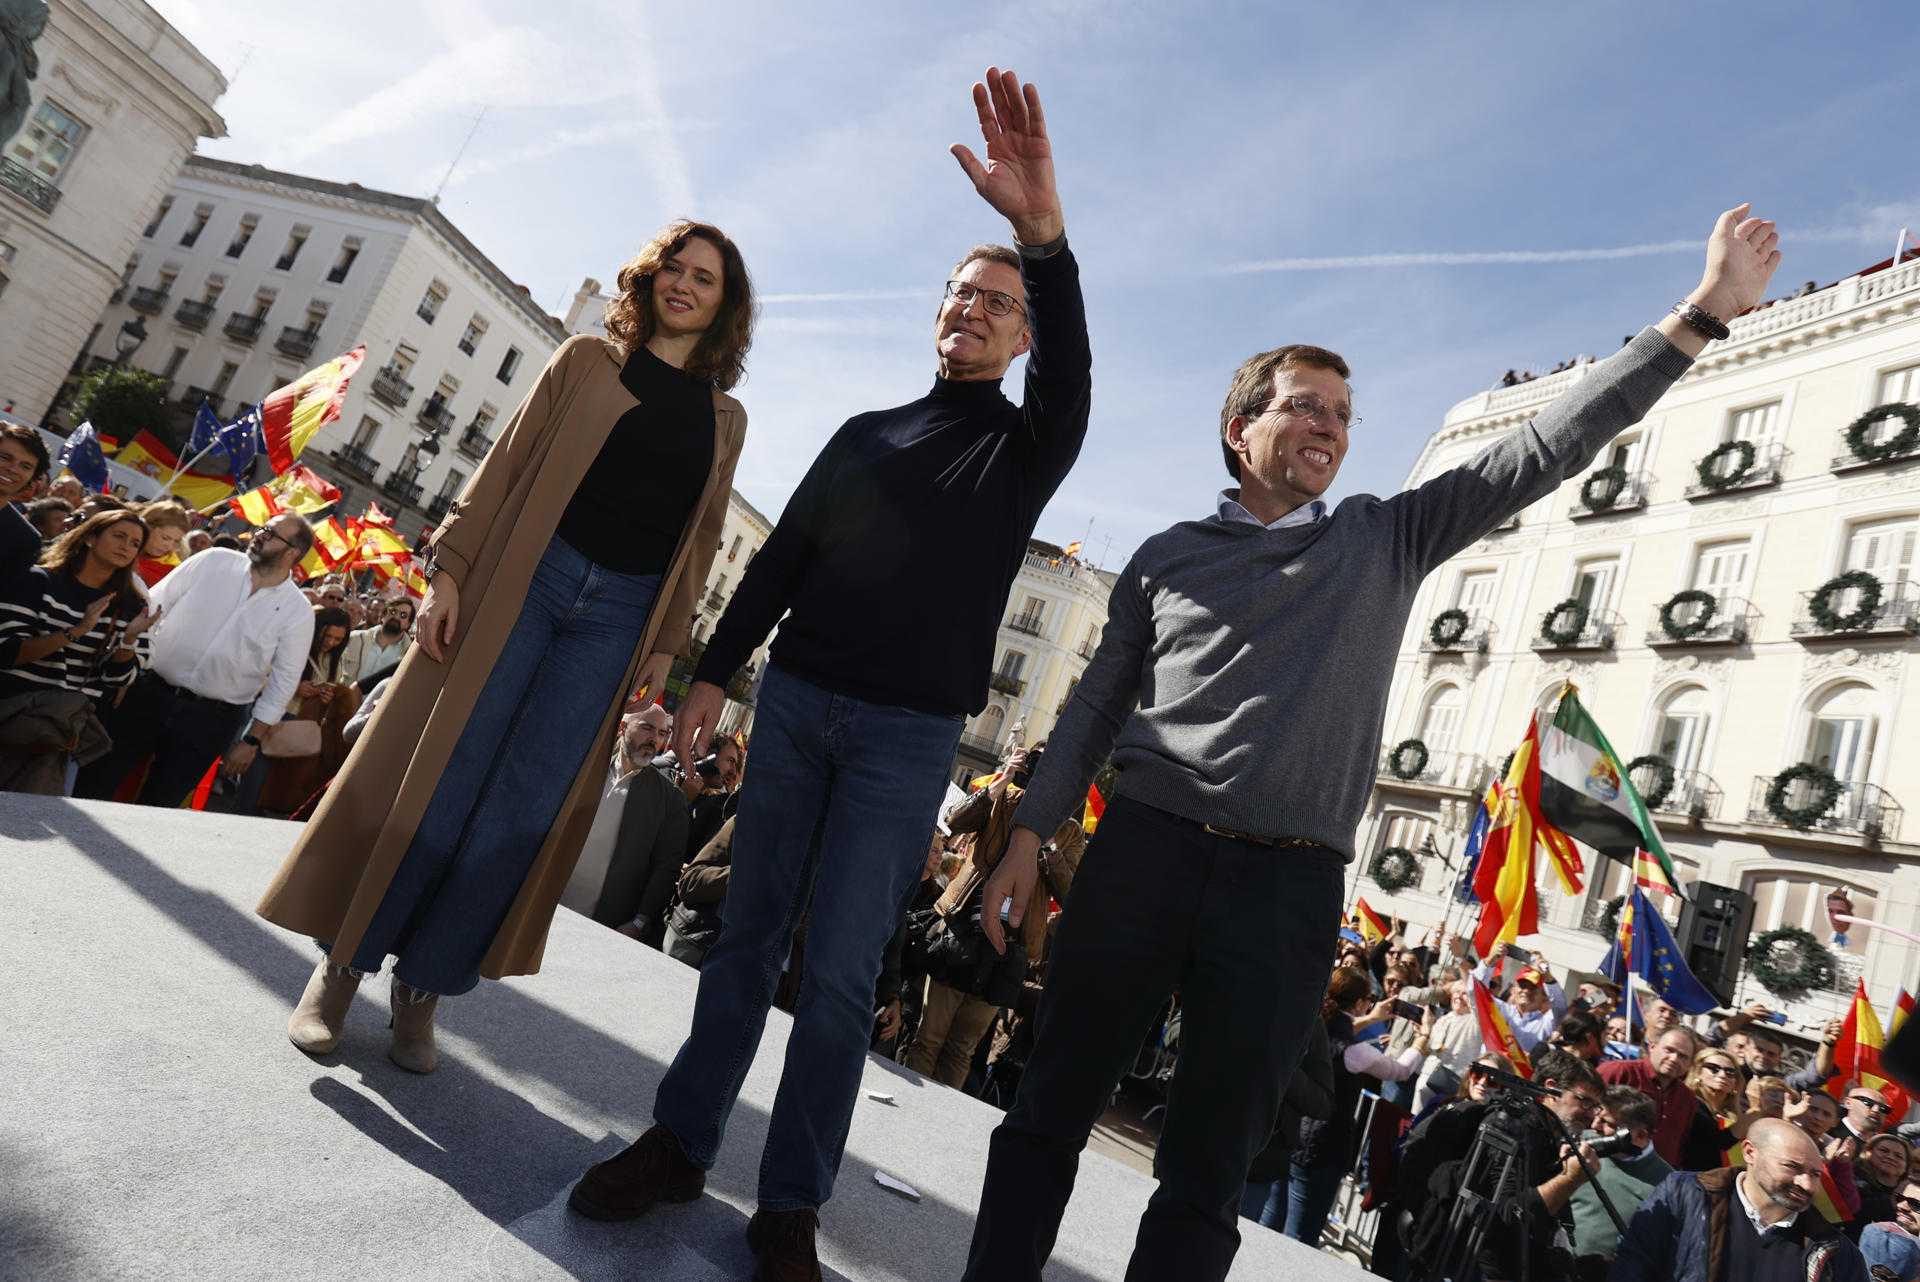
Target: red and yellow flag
{"x": 373, "y": 516}
{"x": 1370, "y": 924}
{"x": 1496, "y": 1033}
{"x": 1856, "y": 1057}
{"x": 146, "y": 454}
{"x": 300, "y": 489}
{"x": 1095, "y": 807}
{"x": 331, "y": 549}
{"x": 379, "y": 545}
{"x": 1503, "y": 880}
{"x": 291, "y": 415}
{"x": 1647, "y": 872}
{"x": 1902, "y": 1007}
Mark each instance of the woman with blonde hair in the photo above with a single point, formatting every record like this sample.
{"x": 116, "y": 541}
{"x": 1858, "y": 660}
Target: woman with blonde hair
{"x": 167, "y": 526}
{"x": 564, "y": 577}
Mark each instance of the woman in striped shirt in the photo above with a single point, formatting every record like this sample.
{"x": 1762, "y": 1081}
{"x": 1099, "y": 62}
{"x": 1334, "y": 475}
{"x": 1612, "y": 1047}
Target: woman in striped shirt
{"x": 77, "y": 621}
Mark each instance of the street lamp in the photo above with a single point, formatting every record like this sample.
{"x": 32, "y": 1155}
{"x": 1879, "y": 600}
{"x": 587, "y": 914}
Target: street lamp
{"x": 128, "y": 340}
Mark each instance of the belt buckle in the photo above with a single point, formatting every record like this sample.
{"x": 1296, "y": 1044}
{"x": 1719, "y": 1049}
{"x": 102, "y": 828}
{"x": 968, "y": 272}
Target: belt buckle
{"x": 1231, "y": 835}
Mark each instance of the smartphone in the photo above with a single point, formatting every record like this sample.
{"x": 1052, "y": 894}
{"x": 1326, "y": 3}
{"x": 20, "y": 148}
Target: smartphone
{"x": 1407, "y": 1010}
{"x": 1777, "y": 1017}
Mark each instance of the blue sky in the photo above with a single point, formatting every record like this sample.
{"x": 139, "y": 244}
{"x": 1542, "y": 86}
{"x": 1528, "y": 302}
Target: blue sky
{"x": 1203, "y": 151}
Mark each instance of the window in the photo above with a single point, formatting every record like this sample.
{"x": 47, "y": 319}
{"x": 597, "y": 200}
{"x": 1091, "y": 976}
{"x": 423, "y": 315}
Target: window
{"x": 263, "y": 303}
{"x": 1756, "y": 423}
{"x": 720, "y": 586}
{"x": 164, "y": 281}
{"x": 403, "y": 359}
{"x": 1593, "y": 584}
{"x": 409, "y": 462}
{"x": 198, "y": 224}
{"x": 1474, "y": 592}
{"x": 1680, "y": 733}
{"x": 214, "y": 287}
{"x": 1409, "y": 832}
{"x": 1795, "y": 899}
{"x": 1721, "y": 568}
{"x": 1440, "y": 719}
{"x": 174, "y": 362}
{"x": 483, "y": 418}
{"x": 296, "y": 241}
{"x": 46, "y": 146}
{"x": 1899, "y": 385}
{"x": 225, "y": 379}
{"x": 316, "y": 316}
{"x": 451, "y": 483}
{"x": 699, "y": 627}
{"x": 431, "y": 302}
{"x": 159, "y": 216}
{"x": 1840, "y": 734}
{"x": 7, "y": 252}
{"x": 437, "y": 399}
{"x": 1885, "y": 549}
{"x": 243, "y": 235}
{"x": 509, "y": 365}
{"x": 1626, "y": 452}
{"x": 990, "y": 722}
{"x": 363, "y": 435}
{"x": 475, "y": 331}
{"x": 1012, "y": 664}
{"x": 349, "y": 250}
{"x": 733, "y": 552}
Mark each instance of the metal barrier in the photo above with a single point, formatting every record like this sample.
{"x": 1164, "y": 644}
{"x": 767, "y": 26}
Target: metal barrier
{"x": 1350, "y": 1230}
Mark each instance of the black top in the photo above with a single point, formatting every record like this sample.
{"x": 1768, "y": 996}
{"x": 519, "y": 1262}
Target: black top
{"x": 1779, "y": 1255}
{"x": 896, "y": 553}
{"x": 20, "y": 543}
{"x": 634, "y": 501}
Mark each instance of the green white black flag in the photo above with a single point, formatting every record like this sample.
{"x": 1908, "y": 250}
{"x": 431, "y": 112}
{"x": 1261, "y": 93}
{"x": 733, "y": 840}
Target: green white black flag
{"x": 1585, "y": 792}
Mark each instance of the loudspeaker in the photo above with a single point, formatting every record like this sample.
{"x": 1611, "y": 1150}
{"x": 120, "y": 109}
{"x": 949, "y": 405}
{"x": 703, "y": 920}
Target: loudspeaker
{"x": 1714, "y": 924}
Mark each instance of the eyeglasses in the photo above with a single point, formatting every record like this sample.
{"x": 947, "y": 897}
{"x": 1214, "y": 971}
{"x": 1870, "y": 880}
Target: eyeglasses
{"x": 1725, "y": 1070}
{"x": 1870, "y": 1104}
{"x": 1305, "y": 405}
{"x": 996, "y": 303}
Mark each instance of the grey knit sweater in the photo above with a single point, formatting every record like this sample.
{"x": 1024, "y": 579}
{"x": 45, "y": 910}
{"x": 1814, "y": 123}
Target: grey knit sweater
{"x": 1242, "y": 678}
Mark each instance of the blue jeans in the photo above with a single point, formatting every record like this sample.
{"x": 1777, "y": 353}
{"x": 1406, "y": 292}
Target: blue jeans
{"x": 516, "y": 760}
{"x": 1265, "y": 1203}
{"x": 1311, "y": 1191}
{"x": 876, "y": 775}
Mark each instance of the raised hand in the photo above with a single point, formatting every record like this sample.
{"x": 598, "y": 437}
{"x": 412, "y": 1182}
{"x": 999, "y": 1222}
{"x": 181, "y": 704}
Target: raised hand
{"x": 1742, "y": 254}
{"x": 1017, "y": 178}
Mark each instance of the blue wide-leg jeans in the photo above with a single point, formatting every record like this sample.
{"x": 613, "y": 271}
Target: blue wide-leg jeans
{"x": 511, "y": 770}
{"x": 876, "y": 775}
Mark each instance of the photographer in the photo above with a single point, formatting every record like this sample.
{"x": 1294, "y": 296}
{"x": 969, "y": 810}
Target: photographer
{"x": 1436, "y": 1164}
{"x": 1629, "y": 1171}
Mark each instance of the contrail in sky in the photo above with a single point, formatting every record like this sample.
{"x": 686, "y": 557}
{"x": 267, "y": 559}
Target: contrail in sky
{"x": 1501, "y": 256}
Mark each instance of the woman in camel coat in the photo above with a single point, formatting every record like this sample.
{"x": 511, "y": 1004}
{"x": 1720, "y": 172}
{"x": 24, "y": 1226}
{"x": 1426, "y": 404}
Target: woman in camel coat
{"x": 564, "y": 577}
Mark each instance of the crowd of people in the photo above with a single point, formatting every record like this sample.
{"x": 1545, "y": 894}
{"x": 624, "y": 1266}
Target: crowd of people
{"x": 1391, "y": 1099}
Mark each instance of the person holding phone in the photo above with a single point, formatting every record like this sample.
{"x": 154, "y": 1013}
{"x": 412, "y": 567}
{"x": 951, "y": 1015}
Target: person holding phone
{"x": 1534, "y": 1003}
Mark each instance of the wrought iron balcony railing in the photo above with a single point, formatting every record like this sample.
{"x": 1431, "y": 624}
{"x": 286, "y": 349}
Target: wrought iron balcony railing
{"x": 1896, "y": 614}
{"x": 29, "y": 186}
{"x": 1005, "y": 684}
{"x": 1474, "y": 638}
{"x": 439, "y": 505}
{"x": 1730, "y": 622}
{"x": 1596, "y": 632}
{"x": 474, "y": 443}
{"x": 242, "y": 328}
{"x": 1692, "y": 794}
{"x": 1460, "y": 770}
{"x": 1027, "y": 623}
{"x": 193, "y": 314}
{"x": 1632, "y": 498}
{"x": 435, "y": 416}
{"x": 297, "y": 342}
{"x": 353, "y": 459}
{"x": 148, "y": 301}
{"x": 1768, "y": 460}
{"x": 980, "y": 746}
{"x": 403, "y": 486}
{"x": 391, "y": 386}
{"x": 1859, "y": 809}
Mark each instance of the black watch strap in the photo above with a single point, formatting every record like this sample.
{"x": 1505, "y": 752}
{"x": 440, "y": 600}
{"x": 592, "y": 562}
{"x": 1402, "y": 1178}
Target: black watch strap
{"x": 251, "y": 739}
{"x": 1700, "y": 319}
{"x": 1047, "y": 250}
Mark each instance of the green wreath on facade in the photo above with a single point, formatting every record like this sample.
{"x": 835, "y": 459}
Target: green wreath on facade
{"x": 1826, "y": 790}
{"x": 1449, "y": 627}
{"x": 1670, "y": 613}
{"x": 1397, "y": 759}
{"x": 1609, "y": 924}
{"x": 1603, "y": 488}
{"x": 1576, "y": 614}
{"x": 1831, "y": 620}
{"x": 1712, "y": 479}
{"x": 1790, "y": 963}
{"x": 1899, "y": 443}
{"x": 1394, "y": 868}
{"x": 1657, "y": 795}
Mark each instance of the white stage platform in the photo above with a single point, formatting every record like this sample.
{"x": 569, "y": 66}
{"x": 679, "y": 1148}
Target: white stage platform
{"x": 156, "y": 1123}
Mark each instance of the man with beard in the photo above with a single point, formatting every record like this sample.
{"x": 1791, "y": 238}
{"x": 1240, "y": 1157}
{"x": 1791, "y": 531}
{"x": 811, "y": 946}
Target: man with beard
{"x": 376, "y": 651}
{"x": 229, "y": 648}
{"x": 1752, "y": 1224}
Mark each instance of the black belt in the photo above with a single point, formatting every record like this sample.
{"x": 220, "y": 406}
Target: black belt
{"x": 1255, "y": 839}
{"x": 185, "y": 693}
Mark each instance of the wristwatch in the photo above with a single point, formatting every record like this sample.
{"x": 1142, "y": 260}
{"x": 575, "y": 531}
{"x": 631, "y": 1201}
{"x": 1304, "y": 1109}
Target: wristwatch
{"x": 1037, "y": 252}
{"x": 1700, "y": 319}
{"x": 251, "y": 739}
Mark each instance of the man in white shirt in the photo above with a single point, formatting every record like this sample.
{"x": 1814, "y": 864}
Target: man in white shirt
{"x": 371, "y": 651}
{"x": 1535, "y": 1002}
{"x": 229, "y": 647}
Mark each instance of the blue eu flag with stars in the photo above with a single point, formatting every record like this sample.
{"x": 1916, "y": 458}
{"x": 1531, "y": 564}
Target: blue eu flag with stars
{"x": 1655, "y": 958}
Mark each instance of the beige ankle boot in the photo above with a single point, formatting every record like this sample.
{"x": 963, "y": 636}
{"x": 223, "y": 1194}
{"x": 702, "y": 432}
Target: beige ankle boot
{"x": 412, "y": 1026}
{"x": 316, "y": 1022}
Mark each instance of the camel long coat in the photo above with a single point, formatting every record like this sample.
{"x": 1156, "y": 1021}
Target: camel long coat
{"x": 490, "y": 543}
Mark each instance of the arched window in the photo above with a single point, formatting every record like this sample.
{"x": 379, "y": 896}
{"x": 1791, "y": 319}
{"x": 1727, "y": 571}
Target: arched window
{"x": 1841, "y": 732}
{"x": 1410, "y": 832}
{"x": 990, "y": 723}
{"x": 1795, "y": 899}
{"x": 1680, "y": 732}
{"x": 1440, "y": 719}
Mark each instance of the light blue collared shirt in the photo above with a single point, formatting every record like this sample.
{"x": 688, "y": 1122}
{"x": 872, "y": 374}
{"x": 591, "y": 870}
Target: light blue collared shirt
{"x": 1305, "y": 514}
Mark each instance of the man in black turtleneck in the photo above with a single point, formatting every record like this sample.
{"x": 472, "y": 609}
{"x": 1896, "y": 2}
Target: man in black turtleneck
{"x": 883, "y": 652}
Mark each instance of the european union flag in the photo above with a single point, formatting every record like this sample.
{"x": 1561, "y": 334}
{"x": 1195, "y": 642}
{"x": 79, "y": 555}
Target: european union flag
{"x": 82, "y": 456}
{"x": 240, "y": 441}
{"x": 205, "y": 434}
{"x": 1655, "y": 958}
{"x": 1476, "y": 838}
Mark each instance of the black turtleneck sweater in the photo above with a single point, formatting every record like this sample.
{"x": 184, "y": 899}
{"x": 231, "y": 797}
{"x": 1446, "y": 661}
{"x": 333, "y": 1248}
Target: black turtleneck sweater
{"x": 893, "y": 559}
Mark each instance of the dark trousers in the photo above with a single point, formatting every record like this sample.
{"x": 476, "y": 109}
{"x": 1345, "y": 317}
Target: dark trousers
{"x": 1246, "y": 934}
{"x": 183, "y": 732}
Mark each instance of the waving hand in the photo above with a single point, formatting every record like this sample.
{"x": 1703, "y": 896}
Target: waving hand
{"x": 1017, "y": 178}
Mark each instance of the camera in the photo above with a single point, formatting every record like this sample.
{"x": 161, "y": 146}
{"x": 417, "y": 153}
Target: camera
{"x": 1608, "y": 1145}
{"x": 958, "y": 955}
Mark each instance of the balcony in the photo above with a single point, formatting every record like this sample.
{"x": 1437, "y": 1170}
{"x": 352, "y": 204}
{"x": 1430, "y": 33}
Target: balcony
{"x": 1447, "y": 635}
{"x": 193, "y": 314}
{"x": 1892, "y": 441}
{"x": 1728, "y": 620}
{"x": 1007, "y": 684}
{"x": 1458, "y": 771}
{"x": 983, "y": 748}
{"x": 148, "y": 301}
{"x": 425, "y": 313}
{"x": 1027, "y": 623}
{"x": 242, "y": 328}
{"x": 467, "y": 345}
{"x": 1693, "y": 794}
{"x": 440, "y": 505}
{"x": 1860, "y": 810}
{"x": 118, "y": 295}
{"x": 402, "y": 486}
{"x": 435, "y": 416}
{"x": 356, "y": 461}
{"x": 1766, "y": 470}
{"x": 297, "y": 342}
{"x": 1087, "y": 648}
{"x": 474, "y": 443}
{"x": 1596, "y": 632}
{"x": 27, "y": 185}
{"x": 1897, "y": 614}
{"x": 1632, "y": 497}
{"x": 391, "y": 385}
{"x": 715, "y": 601}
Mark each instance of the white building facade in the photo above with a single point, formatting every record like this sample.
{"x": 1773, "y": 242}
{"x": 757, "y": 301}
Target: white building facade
{"x": 1055, "y": 614}
{"x": 121, "y": 100}
{"x": 247, "y": 276}
{"x": 1743, "y": 677}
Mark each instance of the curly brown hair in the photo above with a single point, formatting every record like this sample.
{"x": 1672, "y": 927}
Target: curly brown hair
{"x": 721, "y": 354}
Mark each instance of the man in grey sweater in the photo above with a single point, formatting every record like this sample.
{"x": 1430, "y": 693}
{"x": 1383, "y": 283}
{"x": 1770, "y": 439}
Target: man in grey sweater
{"x": 1240, "y": 687}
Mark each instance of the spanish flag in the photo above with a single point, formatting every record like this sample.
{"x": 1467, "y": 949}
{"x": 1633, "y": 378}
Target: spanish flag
{"x": 146, "y": 454}
{"x": 1902, "y": 1007}
{"x": 1504, "y": 882}
{"x": 1370, "y": 924}
{"x": 379, "y": 545}
{"x": 331, "y": 549}
{"x": 374, "y": 518}
{"x": 1096, "y": 806}
{"x": 300, "y": 490}
{"x": 1648, "y": 872}
{"x": 1072, "y": 549}
{"x": 1856, "y": 1057}
{"x": 291, "y": 415}
{"x": 1496, "y": 1033}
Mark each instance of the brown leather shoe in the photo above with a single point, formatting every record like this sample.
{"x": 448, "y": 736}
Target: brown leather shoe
{"x": 782, "y": 1242}
{"x": 654, "y": 1168}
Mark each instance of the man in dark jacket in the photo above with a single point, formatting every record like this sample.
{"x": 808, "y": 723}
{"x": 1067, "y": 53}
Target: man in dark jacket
{"x": 1756, "y": 1224}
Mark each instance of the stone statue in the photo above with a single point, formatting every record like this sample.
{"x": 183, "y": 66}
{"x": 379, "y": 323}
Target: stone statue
{"x": 21, "y": 22}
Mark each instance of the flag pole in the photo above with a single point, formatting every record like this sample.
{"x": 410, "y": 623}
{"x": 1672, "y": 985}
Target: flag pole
{"x": 188, "y": 466}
